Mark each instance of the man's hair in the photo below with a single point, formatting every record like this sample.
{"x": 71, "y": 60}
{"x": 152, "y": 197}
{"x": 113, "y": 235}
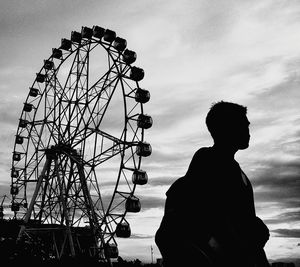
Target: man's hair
{"x": 223, "y": 114}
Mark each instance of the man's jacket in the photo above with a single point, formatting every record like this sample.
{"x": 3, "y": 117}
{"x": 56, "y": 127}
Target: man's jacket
{"x": 210, "y": 217}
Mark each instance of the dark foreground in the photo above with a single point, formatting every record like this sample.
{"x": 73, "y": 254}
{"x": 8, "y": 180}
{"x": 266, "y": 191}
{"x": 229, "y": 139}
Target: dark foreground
{"x": 30, "y": 262}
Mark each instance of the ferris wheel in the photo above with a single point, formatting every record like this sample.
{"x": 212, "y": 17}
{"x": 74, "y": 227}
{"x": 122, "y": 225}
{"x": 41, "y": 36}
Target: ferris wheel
{"x": 79, "y": 145}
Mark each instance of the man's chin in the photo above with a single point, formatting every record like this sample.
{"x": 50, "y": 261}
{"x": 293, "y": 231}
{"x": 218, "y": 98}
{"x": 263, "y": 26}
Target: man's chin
{"x": 243, "y": 146}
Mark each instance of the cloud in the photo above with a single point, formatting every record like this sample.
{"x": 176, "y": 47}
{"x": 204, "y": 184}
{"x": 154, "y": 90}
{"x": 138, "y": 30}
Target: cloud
{"x": 140, "y": 236}
{"x": 288, "y": 233}
{"x": 278, "y": 182}
{"x": 161, "y": 181}
{"x": 4, "y": 189}
{"x": 150, "y": 202}
{"x": 167, "y": 158}
{"x": 283, "y": 217}
{"x": 9, "y": 116}
{"x": 269, "y": 96}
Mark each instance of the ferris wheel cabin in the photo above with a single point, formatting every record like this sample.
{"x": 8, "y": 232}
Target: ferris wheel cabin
{"x": 27, "y": 107}
{"x": 56, "y": 53}
{"x": 136, "y": 74}
{"x": 120, "y": 44}
{"x": 123, "y": 230}
{"x": 19, "y": 139}
{"x": 109, "y": 36}
{"x": 86, "y": 32}
{"x": 129, "y": 56}
{"x": 98, "y": 32}
{"x": 48, "y": 65}
{"x": 16, "y": 156}
{"x": 132, "y": 204}
{"x": 142, "y": 96}
{"x": 76, "y": 37}
{"x": 14, "y": 190}
{"x": 14, "y": 173}
{"x": 65, "y": 44}
{"x": 111, "y": 250}
{"x": 139, "y": 177}
{"x": 23, "y": 123}
{"x": 40, "y": 78}
{"x": 144, "y": 121}
{"x": 33, "y": 92}
{"x": 143, "y": 149}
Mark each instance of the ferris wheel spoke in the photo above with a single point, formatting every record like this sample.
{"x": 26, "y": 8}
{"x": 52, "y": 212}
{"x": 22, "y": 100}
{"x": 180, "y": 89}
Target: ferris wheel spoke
{"x": 131, "y": 90}
{"x": 70, "y": 95}
{"x": 117, "y": 146}
{"x": 109, "y": 153}
{"x": 115, "y": 207}
{"x": 134, "y": 132}
{"x": 105, "y": 155}
{"x": 93, "y": 92}
{"x": 94, "y": 189}
{"x": 79, "y": 122}
{"x": 103, "y": 134}
{"x": 109, "y": 82}
{"x": 98, "y": 114}
{"x": 126, "y": 179}
{"x": 86, "y": 110}
{"x": 102, "y": 88}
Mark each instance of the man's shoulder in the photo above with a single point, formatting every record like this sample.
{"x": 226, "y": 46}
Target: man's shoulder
{"x": 203, "y": 156}
{"x": 202, "y": 159}
{"x": 203, "y": 152}
{"x": 178, "y": 184}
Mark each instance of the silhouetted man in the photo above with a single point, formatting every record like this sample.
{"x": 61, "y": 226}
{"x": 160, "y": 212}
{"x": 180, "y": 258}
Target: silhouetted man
{"x": 209, "y": 217}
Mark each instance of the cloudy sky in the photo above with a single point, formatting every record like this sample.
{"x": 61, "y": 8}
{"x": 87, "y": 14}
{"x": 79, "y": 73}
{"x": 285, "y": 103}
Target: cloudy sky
{"x": 194, "y": 52}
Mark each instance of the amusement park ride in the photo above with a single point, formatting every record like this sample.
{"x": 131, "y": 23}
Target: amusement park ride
{"x": 78, "y": 149}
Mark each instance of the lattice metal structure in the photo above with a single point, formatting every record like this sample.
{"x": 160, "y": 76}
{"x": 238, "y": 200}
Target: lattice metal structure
{"x": 79, "y": 146}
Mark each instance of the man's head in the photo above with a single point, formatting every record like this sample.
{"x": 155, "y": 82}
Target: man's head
{"x": 228, "y": 125}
